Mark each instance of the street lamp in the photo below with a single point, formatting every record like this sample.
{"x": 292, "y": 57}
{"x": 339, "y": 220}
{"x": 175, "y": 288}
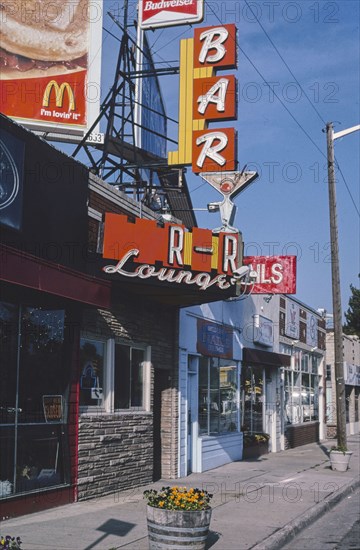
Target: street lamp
{"x": 335, "y": 277}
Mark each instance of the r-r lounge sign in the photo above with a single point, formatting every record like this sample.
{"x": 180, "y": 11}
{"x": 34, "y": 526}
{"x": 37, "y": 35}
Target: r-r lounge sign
{"x": 171, "y": 254}
{"x": 206, "y": 97}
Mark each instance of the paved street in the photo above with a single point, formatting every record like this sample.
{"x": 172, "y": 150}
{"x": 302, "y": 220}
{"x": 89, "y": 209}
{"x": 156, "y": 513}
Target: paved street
{"x": 258, "y": 504}
{"x": 337, "y": 529}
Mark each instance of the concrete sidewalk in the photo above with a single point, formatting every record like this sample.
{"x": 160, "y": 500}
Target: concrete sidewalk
{"x": 257, "y": 504}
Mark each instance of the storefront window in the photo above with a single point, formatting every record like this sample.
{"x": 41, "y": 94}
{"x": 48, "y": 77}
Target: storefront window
{"x": 92, "y": 357}
{"x": 34, "y": 393}
{"x": 218, "y": 408}
{"x": 253, "y": 399}
{"x": 129, "y": 377}
{"x": 301, "y": 395}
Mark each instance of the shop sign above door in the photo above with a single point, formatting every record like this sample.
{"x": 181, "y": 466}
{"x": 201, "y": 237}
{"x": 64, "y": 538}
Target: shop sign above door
{"x": 172, "y": 254}
{"x": 214, "y": 339}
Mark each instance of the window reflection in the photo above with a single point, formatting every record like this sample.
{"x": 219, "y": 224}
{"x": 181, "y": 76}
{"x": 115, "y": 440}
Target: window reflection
{"x": 301, "y": 390}
{"x": 253, "y": 398}
{"x": 218, "y": 405}
{"x": 35, "y": 378}
{"x": 92, "y": 355}
{"x": 129, "y": 377}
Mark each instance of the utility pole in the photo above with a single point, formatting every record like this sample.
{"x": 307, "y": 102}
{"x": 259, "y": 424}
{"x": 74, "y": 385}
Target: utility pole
{"x": 336, "y": 296}
{"x": 335, "y": 277}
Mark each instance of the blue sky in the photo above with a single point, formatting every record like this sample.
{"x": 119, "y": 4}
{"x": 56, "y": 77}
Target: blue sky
{"x": 285, "y": 211}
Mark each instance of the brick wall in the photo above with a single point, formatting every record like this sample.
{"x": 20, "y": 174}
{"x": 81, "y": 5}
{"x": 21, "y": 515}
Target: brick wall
{"x": 301, "y": 434}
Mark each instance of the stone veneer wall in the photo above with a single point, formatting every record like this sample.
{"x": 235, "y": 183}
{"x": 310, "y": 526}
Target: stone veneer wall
{"x": 115, "y": 453}
{"x": 116, "y": 450}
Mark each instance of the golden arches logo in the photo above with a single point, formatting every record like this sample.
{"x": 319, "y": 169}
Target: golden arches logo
{"x": 59, "y": 94}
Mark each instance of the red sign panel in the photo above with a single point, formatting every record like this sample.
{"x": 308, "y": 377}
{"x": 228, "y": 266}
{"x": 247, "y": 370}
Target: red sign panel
{"x": 59, "y": 99}
{"x": 274, "y": 274}
{"x": 214, "y": 98}
{"x": 168, "y": 13}
{"x": 171, "y": 245}
{"x": 215, "y": 47}
{"x": 214, "y": 150}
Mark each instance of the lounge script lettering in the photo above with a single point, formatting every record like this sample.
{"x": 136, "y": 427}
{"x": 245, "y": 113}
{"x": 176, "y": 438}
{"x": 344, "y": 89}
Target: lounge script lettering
{"x": 146, "y": 271}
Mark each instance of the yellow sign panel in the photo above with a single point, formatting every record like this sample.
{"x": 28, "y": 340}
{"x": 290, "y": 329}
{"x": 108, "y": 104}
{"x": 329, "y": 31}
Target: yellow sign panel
{"x": 187, "y": 125}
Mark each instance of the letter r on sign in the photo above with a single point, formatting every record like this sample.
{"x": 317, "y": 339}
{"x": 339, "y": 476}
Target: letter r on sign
{"x": 213, "y": 150}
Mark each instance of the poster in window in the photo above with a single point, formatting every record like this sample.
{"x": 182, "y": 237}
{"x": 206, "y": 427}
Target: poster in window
{"x": 311, "y": 330}
{"x": 292, "y": 320}
{"x": 53, "y": 408}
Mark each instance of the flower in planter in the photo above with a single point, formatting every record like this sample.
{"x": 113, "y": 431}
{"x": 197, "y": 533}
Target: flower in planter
{"x": 10, "y": 543}
{"x": 178, "y": 498}
{"x": 255, "y": 438}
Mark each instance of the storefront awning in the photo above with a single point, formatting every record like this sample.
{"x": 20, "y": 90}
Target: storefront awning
{"x": 266, "y": 358}
{"x": 21, "y": 268}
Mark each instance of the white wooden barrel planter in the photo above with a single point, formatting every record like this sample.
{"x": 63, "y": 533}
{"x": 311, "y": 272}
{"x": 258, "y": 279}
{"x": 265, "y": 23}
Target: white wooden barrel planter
{"x": 177, "y": 529}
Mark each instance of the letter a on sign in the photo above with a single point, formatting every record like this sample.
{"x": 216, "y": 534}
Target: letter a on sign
{"x": 214, "y": 98}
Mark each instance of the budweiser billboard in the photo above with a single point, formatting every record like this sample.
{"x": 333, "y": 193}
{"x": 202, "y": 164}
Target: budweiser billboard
{"x": 50, "y": 63}
{"x": 168, "y": 13}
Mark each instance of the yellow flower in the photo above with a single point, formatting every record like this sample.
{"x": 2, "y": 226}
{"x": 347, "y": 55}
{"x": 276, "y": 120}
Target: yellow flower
{"x": 161, "y": 503}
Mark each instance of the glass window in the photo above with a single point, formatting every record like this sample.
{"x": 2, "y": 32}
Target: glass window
{"x": 306, "y": 400}
{"x": 253, "y": 389}
{"x": 218, "y": 396}
{"x": 304, "y": 362}
{"x": 203, "y": 395}
{"x": 129, "y": 377}
{"x": 34, "y": 395}
{"x": 328, "y": 372}
{"x": 92, "y": 359}
{"x": 301, "y": 401}
{"x": 314, "y": 364}
{"x": 228, "y": 396}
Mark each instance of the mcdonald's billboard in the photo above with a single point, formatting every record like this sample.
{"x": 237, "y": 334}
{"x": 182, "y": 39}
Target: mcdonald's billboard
{"x": 50, "y": 64}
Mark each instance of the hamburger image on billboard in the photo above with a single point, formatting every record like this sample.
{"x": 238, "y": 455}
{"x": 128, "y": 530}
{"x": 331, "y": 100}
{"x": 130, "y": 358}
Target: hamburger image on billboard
{"x": 44, "y": 61}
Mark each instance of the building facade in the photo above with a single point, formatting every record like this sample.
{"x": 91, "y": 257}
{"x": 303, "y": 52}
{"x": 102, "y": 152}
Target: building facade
{"x": 351, "y": 353}
{"x": 250, "y": 366}
{"x": 89, "y": 359}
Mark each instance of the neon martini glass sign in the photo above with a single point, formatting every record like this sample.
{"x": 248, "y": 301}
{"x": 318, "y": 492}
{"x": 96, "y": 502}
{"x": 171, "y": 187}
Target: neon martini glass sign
{"x": 229, "y": 184}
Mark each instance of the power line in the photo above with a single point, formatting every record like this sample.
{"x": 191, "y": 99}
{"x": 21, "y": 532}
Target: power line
{"x": 275, "y": 94}
{"x": 302, "y": 89}
{"x": 347, "y": 187}
{"x": 285, "y": 63}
